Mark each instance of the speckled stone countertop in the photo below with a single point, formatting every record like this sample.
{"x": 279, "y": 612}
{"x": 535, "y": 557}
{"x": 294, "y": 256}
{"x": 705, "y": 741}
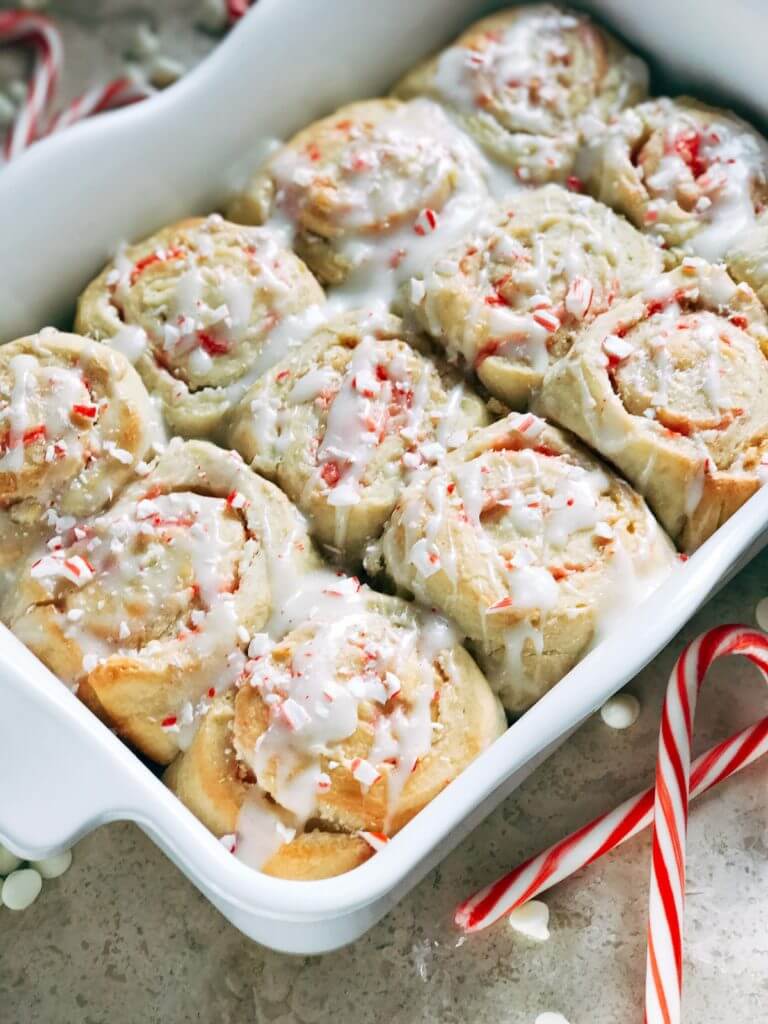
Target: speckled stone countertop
{"x": 124, "y": 938}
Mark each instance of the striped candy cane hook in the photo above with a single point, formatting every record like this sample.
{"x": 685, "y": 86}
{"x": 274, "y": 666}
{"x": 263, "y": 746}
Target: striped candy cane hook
{"x": 119, "y": 93}
{"x": 664, "y": 971}
{"x": 39, "y": 32}
{"x": 667, "y": 804}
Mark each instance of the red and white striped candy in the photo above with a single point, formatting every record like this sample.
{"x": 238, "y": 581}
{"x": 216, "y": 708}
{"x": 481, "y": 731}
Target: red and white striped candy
{"x": 666, "y": 806}
{"x": 664, "y": 971}
{"x": 119, "y": 93}
{"x": 236, "y": 9}
{"x": 33, "y": 120}
{"x": 39, "y": 32}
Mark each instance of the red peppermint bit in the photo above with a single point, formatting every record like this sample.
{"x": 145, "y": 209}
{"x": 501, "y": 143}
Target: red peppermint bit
{"x": 168, "y": 722}
{"x": 450, "y": 488}
{"x": 34, "y": 434}
{"x": 382, "y": 373}
{"x": 87, "y": 411}
{"x": 283, "y": 375}
{"x": 651, "y": 216}
{"x": 740, "y": 321}
{"x": 344, "y": 125}
{"x": 544, "y": 449}
{"x": 526, "y": 423}
{"x": 683, "y": 557}
{"x": 654, "y": 306}
{"x": 570, "y": 503}
{"x": 211, "y": 344}
{"x": 574, "y": 183}
{"x": 495, "y": 300}
{"x": 313, "y": 151}
{"x": 153, "y": 492}
{"x": 236, "y": 500}
{"x": 176, "y": 253}
{"x": 331, "y": 473}
{"x": 499, "y": 606}
{"x": 211, "y": 692}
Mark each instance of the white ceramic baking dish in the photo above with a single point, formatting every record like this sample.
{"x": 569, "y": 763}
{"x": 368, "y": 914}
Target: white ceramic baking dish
{"x": 63, "y": 207}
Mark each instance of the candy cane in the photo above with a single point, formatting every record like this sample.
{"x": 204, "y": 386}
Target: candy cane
{"x": 664, "y": 974}
{"x": 39, "y": 32}
{"x": 236, "y": 9}
{"x": 119, "y": 93}
{"x": 667, "y": 805}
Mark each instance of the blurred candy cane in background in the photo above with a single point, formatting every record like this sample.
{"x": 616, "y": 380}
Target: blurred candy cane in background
{"x": 38, "y": 33}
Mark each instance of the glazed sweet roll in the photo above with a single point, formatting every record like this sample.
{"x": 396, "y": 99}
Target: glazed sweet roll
{"x": 221, "y": 791}
{"x": 75, "y": 423}
{"x": 203, "y": 308}
{"x": 672, "y": 386}
{"x": 528, "y": 83}
{"x": 369, "y": 190}
{"x": 529, "y": 545}
{"x": 509, "y": 298}
{"x": 342, "y": 425}
{"x": 693, "y": 176}
{"x": 147, "y": 609}
{"x": 349, "y": 724}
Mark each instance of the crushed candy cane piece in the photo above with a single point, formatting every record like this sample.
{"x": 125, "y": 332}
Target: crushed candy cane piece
{"x": 363, "y": 771}
{"x": 376, "y": 840}
{"x": 617, "y": 348}
{"x": 578, "y": 298}
{"x": 294, "y": 714}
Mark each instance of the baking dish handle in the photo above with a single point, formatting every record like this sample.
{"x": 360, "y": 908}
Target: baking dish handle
{"x": 62, "y": 772}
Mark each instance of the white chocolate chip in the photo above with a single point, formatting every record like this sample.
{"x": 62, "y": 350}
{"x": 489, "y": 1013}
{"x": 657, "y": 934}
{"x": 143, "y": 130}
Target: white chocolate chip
{"x": 531, "y": 920}
{"x": 164, "y": 71}
{"x": 8, "y": 861}
{"x": 52, "y": 867}
{"x": 621, "y": 711}
{"x": 21, "y": 889}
